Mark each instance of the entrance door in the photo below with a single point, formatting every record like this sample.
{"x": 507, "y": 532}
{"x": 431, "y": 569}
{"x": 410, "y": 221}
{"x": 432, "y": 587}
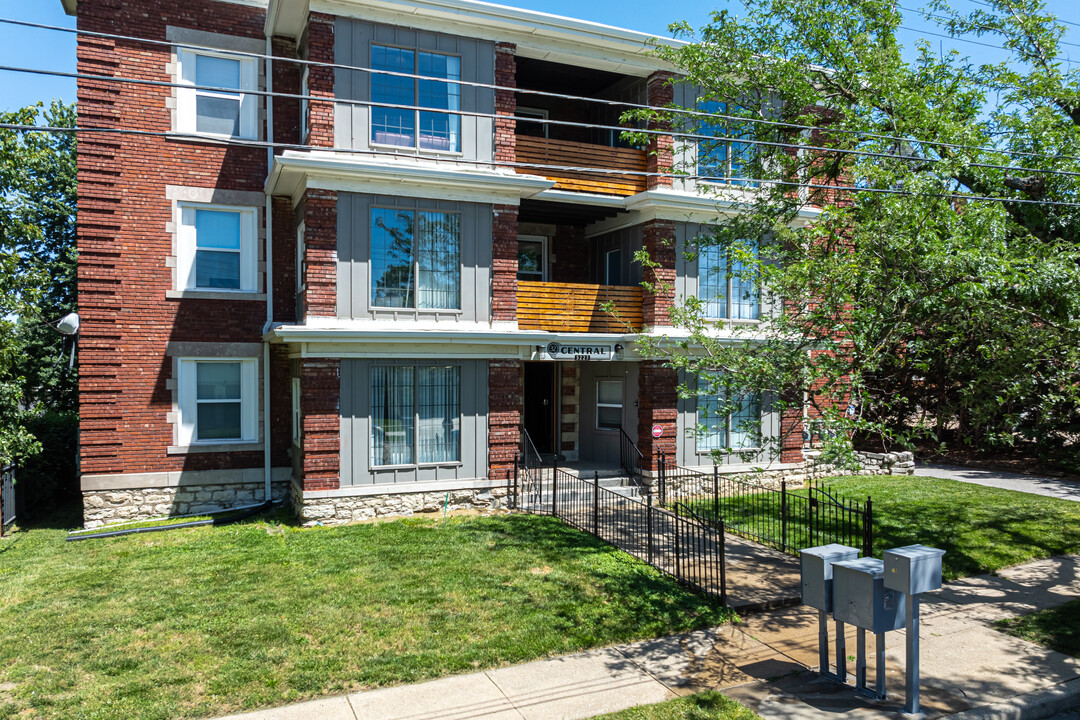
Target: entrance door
{"x": 540, "y": 405}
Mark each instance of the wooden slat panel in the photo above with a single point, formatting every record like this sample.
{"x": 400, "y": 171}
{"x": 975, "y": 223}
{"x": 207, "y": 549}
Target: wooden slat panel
{"x": 575, "y": 307}
{"x": 544, "y": 151}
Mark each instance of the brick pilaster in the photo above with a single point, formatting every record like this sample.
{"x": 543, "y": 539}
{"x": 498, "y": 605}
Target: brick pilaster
{"x": 320, "y": 253}
{"x": 505, "y": 379}
{"x": 791, "y": 427}
{"x": 504, "y": 263}
{"x": 505, "y": 102}
{"x": 320, "y": 47}
{"x": 660, "y": 93}
{"x": 570, "y": 411}
{"x": 657, "y": 397}
{"x": 320, "y": 394}
{"x": 659, "y": 242}
{"x": 286, "y": 80}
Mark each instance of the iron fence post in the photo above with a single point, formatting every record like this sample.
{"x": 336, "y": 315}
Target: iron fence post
{"x": 554, "y": 488}
{"x": 662, "y": 471}
{"x": 648, "y": 525}
{"x": 517, "y": 497}
{"x": 868, "y": 528}
{"x": 723, "y": 566}
{"x": 810, "y": 510}
{"x": 716, "y": 491}
{"x": 596, "y": 504}
{"x": 676, "y": 546}
{"x": 783, "y": 516}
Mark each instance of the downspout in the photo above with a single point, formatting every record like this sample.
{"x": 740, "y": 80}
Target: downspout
{"x": 269, "y": 272}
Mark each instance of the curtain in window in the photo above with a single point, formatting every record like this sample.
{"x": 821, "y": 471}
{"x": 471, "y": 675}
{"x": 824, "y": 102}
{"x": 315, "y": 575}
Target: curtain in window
{"x": 391, "y": 258}
{"x": 439, "y": 260}
{"x": 439, "y": 131}
{"x": 744, "y": 295}
{"x": 392, "y": 415}
{"x": 439, "y": 412}
{"x": 712, "y": 281}
{"x": 739, "y": 430}
{"x": 392, "y": 126}
{"x": 714, "y": 436}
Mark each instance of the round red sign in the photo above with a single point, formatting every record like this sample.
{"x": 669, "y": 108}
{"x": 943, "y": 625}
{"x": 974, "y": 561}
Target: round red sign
{"x": 657, "y": 430}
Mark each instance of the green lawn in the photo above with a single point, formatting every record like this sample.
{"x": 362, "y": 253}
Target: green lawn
{"x": 206, "y": 621}
{"x": 981, "y": 529}
{"x": 1057, "y": 628}
{"x": 703, "y": 706}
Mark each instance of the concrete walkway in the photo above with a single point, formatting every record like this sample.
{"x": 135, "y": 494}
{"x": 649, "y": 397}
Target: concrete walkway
{"x": 1051, "y": 487}
{"x": 969, "y": 669}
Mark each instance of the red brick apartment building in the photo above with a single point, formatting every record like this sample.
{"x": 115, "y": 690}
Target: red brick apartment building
{"x": 360, "y": 305}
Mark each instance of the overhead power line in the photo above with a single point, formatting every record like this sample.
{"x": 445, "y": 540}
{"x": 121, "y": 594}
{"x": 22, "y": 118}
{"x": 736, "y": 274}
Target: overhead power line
{"x": 563, "y": 96}
{"x": 262, "y": 144}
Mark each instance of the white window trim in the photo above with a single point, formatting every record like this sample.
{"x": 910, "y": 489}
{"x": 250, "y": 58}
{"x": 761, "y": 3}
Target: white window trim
{"x": 530, "y": 113}
{"x": 186, "y": 96}
{"x": 544, "y": 241}
{"x": 301, "y": 257}
{"x": 186, "y": 247}
{"x": 621, "y": 405}
{"x": 297, "y": 421}
{"x": 304, "y": 91}
{"x": 607, "y": 265}
{"x": 187, "y": 374}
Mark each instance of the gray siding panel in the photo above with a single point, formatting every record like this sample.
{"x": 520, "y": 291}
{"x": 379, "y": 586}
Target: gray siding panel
{"x": 356, "y": 428}
{"x": 628, "y": 240}
{"x": 352, "y": 46}
{"x": 354, "y": 253}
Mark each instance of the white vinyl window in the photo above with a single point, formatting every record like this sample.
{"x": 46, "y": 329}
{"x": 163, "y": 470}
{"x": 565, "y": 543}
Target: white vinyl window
{"x": 218, "y": 103}
{"x": 609, "y": 404}
{"x": 217, "y": 400}
{"x": 408, "y": 125}
{"x": 216, "y": 248}
{"x": 296, "y": 418}
{"x": 304, "y": 82}
{"x": 301, "y": 262}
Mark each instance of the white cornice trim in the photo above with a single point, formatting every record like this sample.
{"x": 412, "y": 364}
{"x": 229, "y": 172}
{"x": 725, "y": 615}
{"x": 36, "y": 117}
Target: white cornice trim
{"x": 331, "y": 330}
{"x": 537, "y": 34}
{"x": 294, "y": 171}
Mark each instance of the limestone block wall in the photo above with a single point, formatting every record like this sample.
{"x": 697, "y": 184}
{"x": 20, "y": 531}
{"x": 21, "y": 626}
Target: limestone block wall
{"x": 357, "y": 508}
{"x": 107, "y": 507}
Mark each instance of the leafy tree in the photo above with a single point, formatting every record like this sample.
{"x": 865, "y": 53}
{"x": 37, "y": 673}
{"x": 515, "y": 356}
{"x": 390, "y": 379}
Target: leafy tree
{"x": 909, "y": 307}
{"x": 37, "y": 272}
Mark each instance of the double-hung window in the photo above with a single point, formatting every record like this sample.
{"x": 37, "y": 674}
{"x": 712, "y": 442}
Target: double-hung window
{"x": 415, "y": 259}
{"x": 215, "y": 97}
{"x": 727, "y": 159}
{"x": 728, "y": 419}
{"x": 217, "y": 399}
{"x": 216, "y": 248}
{"x": 609, "y": 404}
{"x": 410, "y": 124}
{"x": 726, "y": 287}
{"x": 415, "y": 414}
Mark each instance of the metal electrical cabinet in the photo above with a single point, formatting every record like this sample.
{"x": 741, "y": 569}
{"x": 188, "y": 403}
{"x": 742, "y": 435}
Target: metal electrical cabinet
{"x": 913, "y": 569}
{"x": 861, "y": 598}
{"x": 817, "y": 573}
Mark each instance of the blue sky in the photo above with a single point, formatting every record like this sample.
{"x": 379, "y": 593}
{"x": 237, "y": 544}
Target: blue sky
{"x": 56, "y": 51}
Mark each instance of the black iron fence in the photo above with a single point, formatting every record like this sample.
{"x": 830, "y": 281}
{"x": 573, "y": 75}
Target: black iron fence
{"x": 676, "y": 541}
{"x": 7, "y": 497}
{"x": 786, "y": 519}
{"x": 629, "y": 456}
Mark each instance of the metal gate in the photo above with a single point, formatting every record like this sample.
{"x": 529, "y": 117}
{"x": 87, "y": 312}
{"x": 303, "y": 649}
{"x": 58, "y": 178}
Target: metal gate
{"x": 7, "y": 497}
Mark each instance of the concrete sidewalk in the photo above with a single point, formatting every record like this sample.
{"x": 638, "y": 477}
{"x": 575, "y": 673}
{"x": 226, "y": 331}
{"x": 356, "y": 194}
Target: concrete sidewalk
{"x": 766, "y": 663}
{"x": 1050, "y": 487}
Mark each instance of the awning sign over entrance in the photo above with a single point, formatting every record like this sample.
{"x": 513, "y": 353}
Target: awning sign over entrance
{"x": 559, "y": 351}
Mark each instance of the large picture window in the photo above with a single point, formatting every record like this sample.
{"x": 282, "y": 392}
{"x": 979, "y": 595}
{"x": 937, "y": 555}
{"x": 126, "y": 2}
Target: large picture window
{"x": 737, "y": 430}
{"x": 415, "y": 259}
{"x": 726, "y": 288}
{"x": 726, "y": 160}
{"x": 415, "y": 414}
{"x": 412, "y": 126}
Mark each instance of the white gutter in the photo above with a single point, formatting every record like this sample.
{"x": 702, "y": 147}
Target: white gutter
{"x": 268, "y": 275}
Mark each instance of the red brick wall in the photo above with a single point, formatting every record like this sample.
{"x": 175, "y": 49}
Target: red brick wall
{"x": 504, "y": 263}
{"x": 320, "y": 253}
{"x": 659, "y": 241}
{"x": 320, "y": 391}
{"x": 284, "y": 228}
{"x": 505, "y": 102}
{"x": 320, "y": 47}
{"x": 661, "y": 147}
{"x": 504, "y": 413}
{"x": 122, "y": 239}
{"x": 286, "y": 80}
{"x": 657, "y": 395}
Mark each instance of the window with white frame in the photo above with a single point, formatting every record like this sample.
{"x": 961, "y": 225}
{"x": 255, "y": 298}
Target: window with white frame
{"x": 411, "y": 125}
{"x": 613, "y": 267}
{"x": 217, "y": 249}
{"x": 727, "y": 159}
{"x": 301, "y": 257}
{"x": 415, "y": 414}
{"x": 727, "y": 418}
{"x": 532, "y": 258}
{"x": 296, "y": 417}
{"x": 726, "y": 287}
{"x": 305, "y": 92}
{"x": 609, "y": 404}
{"x": 415, "y": 259}
{"x": 218, "y": 400}
{"x": 215, "y": 97}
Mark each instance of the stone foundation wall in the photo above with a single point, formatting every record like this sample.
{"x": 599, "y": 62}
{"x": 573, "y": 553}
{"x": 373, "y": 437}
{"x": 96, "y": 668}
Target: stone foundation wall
{"x": 106, "y": 507}
{"x": 355, "y": 508}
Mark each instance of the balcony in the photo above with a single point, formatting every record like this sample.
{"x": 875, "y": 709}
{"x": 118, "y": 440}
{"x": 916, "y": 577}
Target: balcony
{"x": 575, "y": 307}
{"x": 567, "y": 153}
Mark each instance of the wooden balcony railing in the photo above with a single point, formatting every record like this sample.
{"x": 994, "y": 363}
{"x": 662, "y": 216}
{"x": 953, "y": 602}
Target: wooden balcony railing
{"x": 575, "y": 307}
{"x": 565, "y": 153}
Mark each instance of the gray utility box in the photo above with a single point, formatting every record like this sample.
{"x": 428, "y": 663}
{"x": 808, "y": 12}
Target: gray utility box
{"x": 860, "y": 597}
{"x": 817, "y": 573}
{"x": 913, "y": 569}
